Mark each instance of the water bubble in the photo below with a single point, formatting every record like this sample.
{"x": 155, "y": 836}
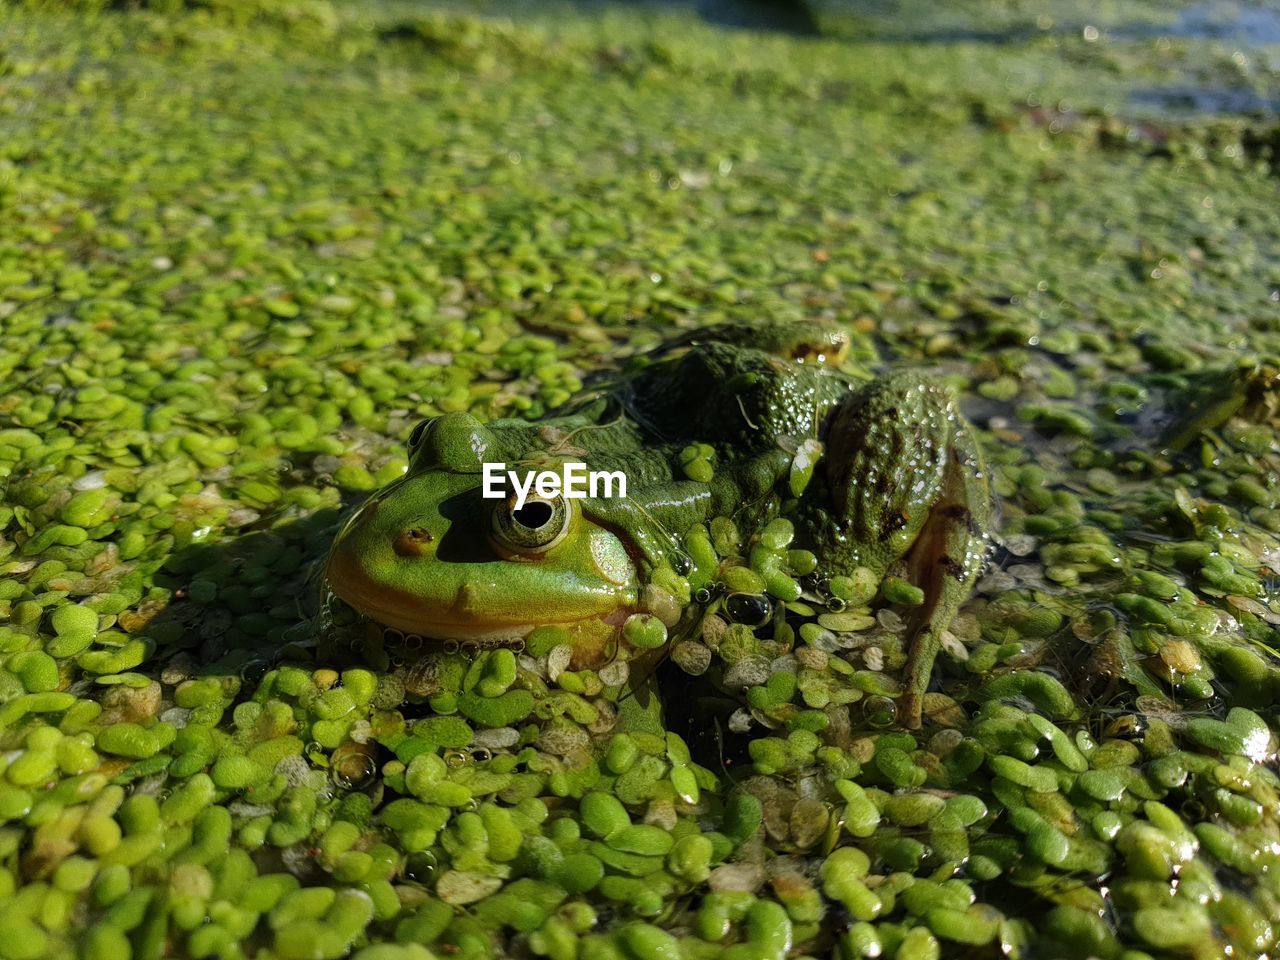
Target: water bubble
{"x": 879, "y": 712}
{"x": 420, "y": 867}
{"x": 314, "y": 752}
{"x": 753, "y": 610}
{"x": 352, "y": 767}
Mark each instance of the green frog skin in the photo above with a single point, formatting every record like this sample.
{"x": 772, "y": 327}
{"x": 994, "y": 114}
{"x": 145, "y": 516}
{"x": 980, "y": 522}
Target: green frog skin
{"x": 900, "y": 489}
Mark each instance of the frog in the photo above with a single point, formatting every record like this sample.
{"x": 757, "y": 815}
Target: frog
{"x": 895, "y": 484}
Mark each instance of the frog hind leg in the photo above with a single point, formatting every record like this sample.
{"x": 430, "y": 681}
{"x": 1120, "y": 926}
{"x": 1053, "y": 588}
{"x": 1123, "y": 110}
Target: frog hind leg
{"x": 907, "y": 488}
{"x": 944, "y": 561}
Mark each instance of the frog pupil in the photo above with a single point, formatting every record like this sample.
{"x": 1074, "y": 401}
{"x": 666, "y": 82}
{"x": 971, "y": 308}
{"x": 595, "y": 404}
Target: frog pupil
{"x": 533, "y": 516}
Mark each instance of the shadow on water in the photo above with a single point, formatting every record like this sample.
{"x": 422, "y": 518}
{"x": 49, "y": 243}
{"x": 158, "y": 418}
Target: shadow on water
{"x": 246, "y": 603}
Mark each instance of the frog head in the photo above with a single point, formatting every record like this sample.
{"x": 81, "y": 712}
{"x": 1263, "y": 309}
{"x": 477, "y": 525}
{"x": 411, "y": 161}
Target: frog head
{"x": 431, "y": 555}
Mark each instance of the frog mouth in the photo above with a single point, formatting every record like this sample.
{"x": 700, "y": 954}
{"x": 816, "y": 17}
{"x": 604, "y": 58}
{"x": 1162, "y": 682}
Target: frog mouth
{"x": 479, "y": 614}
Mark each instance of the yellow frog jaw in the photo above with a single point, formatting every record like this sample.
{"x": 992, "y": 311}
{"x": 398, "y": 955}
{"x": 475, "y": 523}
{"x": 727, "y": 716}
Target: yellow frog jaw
{"x": 471, "y": 617}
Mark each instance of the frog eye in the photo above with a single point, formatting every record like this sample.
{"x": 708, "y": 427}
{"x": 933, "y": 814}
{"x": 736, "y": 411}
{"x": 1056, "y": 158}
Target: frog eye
{"x": 533, "y": 528}
{"x": 420, "y": 431}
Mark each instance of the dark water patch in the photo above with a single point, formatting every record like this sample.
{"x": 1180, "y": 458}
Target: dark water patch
{"x": 792, "y": 17}
{"x": 694, "y": 710}
{"x": 781, "y": 16}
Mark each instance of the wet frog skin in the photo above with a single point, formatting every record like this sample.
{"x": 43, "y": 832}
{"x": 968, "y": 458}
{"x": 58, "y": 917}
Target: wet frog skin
{"x": 706, "y": 426}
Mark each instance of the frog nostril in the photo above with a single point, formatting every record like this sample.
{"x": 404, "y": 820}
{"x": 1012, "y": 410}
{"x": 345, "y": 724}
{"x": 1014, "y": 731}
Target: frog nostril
{"x": 412, "y": 542}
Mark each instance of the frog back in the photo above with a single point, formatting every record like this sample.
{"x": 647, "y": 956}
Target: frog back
{"x": 738, "y": 399}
